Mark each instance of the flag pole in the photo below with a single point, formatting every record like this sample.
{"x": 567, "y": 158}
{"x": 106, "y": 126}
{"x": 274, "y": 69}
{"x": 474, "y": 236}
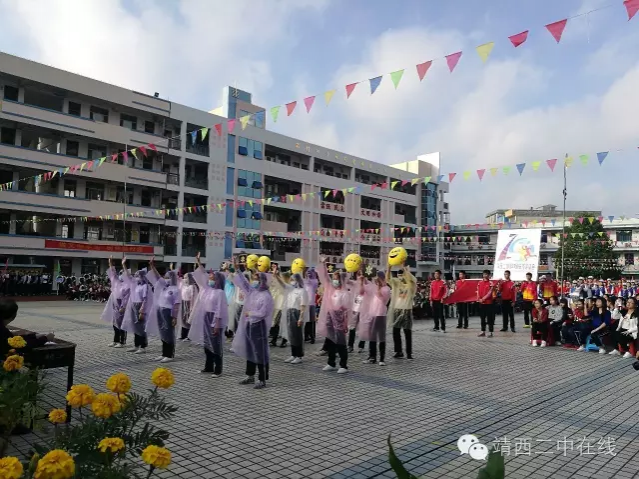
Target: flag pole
{"x": 563, "y": 230}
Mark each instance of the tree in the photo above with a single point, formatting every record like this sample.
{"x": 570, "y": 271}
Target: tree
{"x": 588, "y": 251}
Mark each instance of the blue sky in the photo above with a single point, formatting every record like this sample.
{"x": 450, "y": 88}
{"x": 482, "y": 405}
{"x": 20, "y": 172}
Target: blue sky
{"x": 532, "y": 103}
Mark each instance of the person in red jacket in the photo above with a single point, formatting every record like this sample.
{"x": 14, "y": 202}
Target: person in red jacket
{"x": 507, "y": 292}
{"x": 529, "y": 293}
{"x": 462, "y": 308}
{"x": 539, "y": 323}
{"x": 486, "y": 299}
{"x": 438, "y": 291}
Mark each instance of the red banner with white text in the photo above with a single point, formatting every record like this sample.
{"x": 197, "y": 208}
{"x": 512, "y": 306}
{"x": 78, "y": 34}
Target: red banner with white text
{"x": 72, "y": 245}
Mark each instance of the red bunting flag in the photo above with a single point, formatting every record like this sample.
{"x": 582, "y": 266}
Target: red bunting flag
{"x": 551, "y": 164}
{"x": 451, "y": 177}
{"x": 452, "y": 60}
{"x": 422, "y": 69}
{"x": 518, "y": 39}
{"x": 480, "y": 174}
{"x": 290, "y": 107}
{"x": 632, "y": 7}
{"x": 114, "y": 158}
{"x": 557, "y": 29}
{"x": 218, "y": 129}
{"x": 143, "y": 150}
{"x": 308, "y": 102}
{"x": 231, "y": 125}
{"x": 349, "y": 89}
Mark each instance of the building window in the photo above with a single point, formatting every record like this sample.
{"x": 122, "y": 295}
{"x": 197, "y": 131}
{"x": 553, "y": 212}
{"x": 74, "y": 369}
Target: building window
{"x": 249, "y": 184}
{"x": 629, "y": 258}
{"x": 69, "y": 188}
{"x": 149, "y": 127}
{"x": 99, "y": 114}
{"x": 11, "y": 93}
{"x": 259, "y": 119}
{"x": 128, "y": 121}
{"x": 257, "y": 150}
{"x": 75, "y": 109}
{"x": 146, "y": 197}
{"x": 73, "y": 148}
{"x": 7, "y": 136}
{"x": 230, "y": 152}
{"x": 251, "y": 116}
{"x": 624, "y": 235}
{"x": 96, "y": 151}
{"x": 94, "y": 191}
{"x": 93, "y": 233}
{"x": 229, "y": 215}
{"x": 230, "y": 181}
{"x": 242, "y": 147}
{"x": 228, "y": 247}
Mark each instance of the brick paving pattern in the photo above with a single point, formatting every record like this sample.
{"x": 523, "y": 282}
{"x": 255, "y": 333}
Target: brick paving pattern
{"x": 313, "y": 424}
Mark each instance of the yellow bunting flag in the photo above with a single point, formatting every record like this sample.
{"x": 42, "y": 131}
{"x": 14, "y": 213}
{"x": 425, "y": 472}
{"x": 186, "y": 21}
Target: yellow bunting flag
{"x": 328, "y": 96}
{"x": 535, "y": 165}
{"x": 568, "y": 161}
{"x": 244, "y": 121}
{"x": 466, "y": 175}
{"x": 393, "y": 184}
{"x": 414, "y": 181}
{"x": 493, "y": 171}
{"x": 484, "y": 50}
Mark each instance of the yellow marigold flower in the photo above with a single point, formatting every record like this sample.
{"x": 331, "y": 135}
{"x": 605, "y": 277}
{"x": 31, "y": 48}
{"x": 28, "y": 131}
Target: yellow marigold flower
{"x": 58, "y": 416}
{"x": 56, "y": 464}
{"x": 17, "y": 342}
{"x": 162, "y": 378}
{"x": 105, "y": 405}
{"x": 112, "y": 444}
{"x": 10, "y": 468}
{"x": 13, "y": 363}
{"x": 80, "y": 395}
{"x": 119, "y": 383}
{"x": 156, "y": 456}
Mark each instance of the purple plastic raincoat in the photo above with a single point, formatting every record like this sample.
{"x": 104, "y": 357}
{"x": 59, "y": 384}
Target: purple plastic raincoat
{"x": 113, "y": 312}
{"x": 140, "y": 299}
{"x": 166, "y": 294}
{"x": 209, "y": 317}
{"x": 336, "y": 308}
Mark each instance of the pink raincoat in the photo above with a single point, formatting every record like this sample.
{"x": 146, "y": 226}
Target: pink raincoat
{"x": 372, "y": 318}
{"x": 336, "y": 308}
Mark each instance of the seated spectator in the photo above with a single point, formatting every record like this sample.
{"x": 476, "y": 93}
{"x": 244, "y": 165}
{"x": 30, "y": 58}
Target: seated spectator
{"x": 555, "y": 318}
{"x": 626, "y": 332}
{"x": 600, "y": 318}
{"x": 539, "y": 323}
{"x": 8, "y": 312}
{"x": 568, "y": 336}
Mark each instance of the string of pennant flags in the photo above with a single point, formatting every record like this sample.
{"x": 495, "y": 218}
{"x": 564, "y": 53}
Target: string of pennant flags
{"x": 556, "y": 30}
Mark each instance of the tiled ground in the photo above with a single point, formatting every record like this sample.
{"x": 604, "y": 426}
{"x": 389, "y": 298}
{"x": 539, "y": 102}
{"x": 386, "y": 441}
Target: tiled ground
{"x": 312, "y": 424}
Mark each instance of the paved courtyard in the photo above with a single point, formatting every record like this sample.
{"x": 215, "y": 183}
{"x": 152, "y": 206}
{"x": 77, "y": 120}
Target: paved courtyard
{"x": 312, "y": 424}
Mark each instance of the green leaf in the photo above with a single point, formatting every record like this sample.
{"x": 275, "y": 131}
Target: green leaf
{"x": 396, "y": 464}
{"x": 495, "y": 467}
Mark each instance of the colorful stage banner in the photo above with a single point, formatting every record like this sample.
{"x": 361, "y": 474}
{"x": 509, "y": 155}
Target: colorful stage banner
{"x": 518, "y": 252}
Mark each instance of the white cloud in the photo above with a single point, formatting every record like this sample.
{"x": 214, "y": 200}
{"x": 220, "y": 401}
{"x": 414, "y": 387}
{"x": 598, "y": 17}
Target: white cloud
{"x": 181, "y": 50}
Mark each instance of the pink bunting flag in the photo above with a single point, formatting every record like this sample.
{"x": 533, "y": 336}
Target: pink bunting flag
{"x": 581, "y": 220}
{"x": 452, "y": 60}
{"x": 231, "y": 125}
{"x": 125, "y": 155}
{"x": 518, "y": 39}
{"x": 632, "y": 7}
{"x": 308, "y": 102}
{"x": 481, "y": 173}
{"x": 290, "y": 107}
{"x": 152, "y": 146}
{"x": 218, "y": 129}
{"x": 451, "y": 177}
{"x": 349, "y": 89}
{"x": 422, "y": 69}
{"x": 551, "y": 164}
{"x": 404, "y": 182}
{"x": 114, "y": 158}
{"x": 557, "y": 29}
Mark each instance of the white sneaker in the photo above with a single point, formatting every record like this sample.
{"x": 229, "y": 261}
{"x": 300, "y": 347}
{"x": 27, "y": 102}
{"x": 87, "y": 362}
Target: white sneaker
{"x": 342, "y": 370}
{"x": 614, "y": 352}
{"x": 534, "y": 344}
{"x": 167, "y": 360}
{"x": 159, "y": 358}
{"x": 215, "y": 375}
{"x": 382, "y": 363}
{"x": 231, "y": 350}
{"x": 322, "y": 353}
{"x": 119, "y": 345}
{"x": 134, "y": 349}
{"x": 581, "y": 348}
{"x": 111, "y": 345}
{"x": 602, "y": 350}
{"x": 627, "y": 355}
{"x": 328, "y": 367}
{"x": 140, "y": 351}
{"x": 289, "y": 360}
{"x": 186, "y": 340}
{"x": 557, "y": 343}
{"x": 543, "y": 344}
{"x": 296, "y": 361}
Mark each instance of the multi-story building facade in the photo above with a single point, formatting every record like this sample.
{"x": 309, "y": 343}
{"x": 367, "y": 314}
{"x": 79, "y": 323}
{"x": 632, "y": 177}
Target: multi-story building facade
{"x": 283, "y": 197}
{"x": 472, "y": 247}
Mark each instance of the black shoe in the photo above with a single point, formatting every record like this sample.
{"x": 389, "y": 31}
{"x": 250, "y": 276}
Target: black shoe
{"x": 502, "y": 330}
{"x": 284, "y": 342}
{"x": 410, "y": 356}
{"x": 350, "y": 349}
{"x": 465, "y": 326}
{"x": 398, "y": 355}
{"x": 312, "y": 341}
{"x": 273, "y": 343}
{"x": 204, "y": 371}
{"x": 459, "y": 326}
{"x": 248, "y": 380}
{"x": 259, "y": 385}
{"x": 513, "y": 330}
{"x": 435, "y": 329}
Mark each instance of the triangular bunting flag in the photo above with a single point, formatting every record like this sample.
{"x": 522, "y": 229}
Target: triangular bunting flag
{"x": 551, "y": 164}
{"x": 152, "y": 146}
{"x": 439, "y": 179}
{"x": 308, "y": 103}
{"x": 584, "y": 159}
{"x": 568, "y": 161}
{"x": 290, "y": 107}
{"x": 230, "y": 125}
{"x": 536, "y": 165}
{"x": 275, "y": 112}
{"x": 114, "y": 158}
{"x": 452, "y": 60}
{"x": 520, "y": 167}
{"x": 393, "y": 184}
{"x": 601, "y": 156}
{"x": 396, "y": 77}
{"x": 244, "y": 121}
{"x": 484, "y": 50}
{"x": 518, "y": 39}
{"x": 218, "y": 129}
{"x": 125, "y": 155}
{"x": 466, "y": 175}
{"x": 205, "y": 131}
{"x": 328, "y": 96}
{"x": 493, "y": 171}
{"x": 143, "y": 150}
{"x": 194, "y": 136}
{"x": 349, "y": 89}
{"x": 134, "y": 152}
{"x": 632, "y": 7}
{"x": 427, "y": 179}
{"x": 506, "y": 170}
{"x": 480, "y": 174}
{"x": 451, "y": 177}
{"x": 422, "y": 69}
{"x": 375, "y": 82}
{"x": 557, "y": 29}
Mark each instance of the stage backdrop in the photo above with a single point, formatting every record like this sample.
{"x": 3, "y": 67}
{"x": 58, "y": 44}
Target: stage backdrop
{"x": 517, "y": 251}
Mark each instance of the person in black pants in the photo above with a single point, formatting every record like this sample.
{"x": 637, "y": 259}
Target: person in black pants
{"x": 438, "y": 291}
{"x": 507, "y": 292}
{"x": 485, "y": 298}
{"x": 462, "y": 310}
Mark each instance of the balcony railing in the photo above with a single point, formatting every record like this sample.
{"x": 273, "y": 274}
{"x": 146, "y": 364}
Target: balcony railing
{"x": 192, "y": 250}
{"x": 170, "y": 250}
{"x": 200, "y": 183}
{"x": 195, "y": 217}
{"x": 198, "y": 149}
{"x": 175, "y": 143}
{"x": 173, "y": 179}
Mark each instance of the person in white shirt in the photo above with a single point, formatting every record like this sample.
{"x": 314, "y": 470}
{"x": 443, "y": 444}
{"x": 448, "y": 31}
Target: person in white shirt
{"x": 626, "y": 332}
{"x": 294, "y": 315}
